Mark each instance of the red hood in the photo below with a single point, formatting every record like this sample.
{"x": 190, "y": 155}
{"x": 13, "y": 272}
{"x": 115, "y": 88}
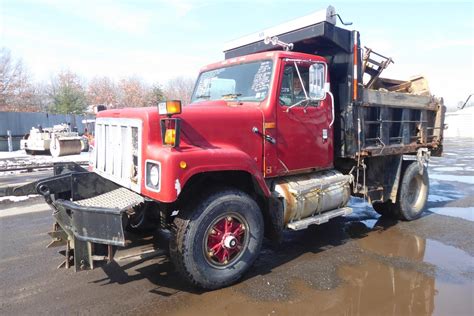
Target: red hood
{"x": 206, "y": 125}
{"x": 215, "y": 136}
{"x": 221, "y": 123}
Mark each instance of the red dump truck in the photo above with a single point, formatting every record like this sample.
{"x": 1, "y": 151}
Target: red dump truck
{"x": 278, "y": 136}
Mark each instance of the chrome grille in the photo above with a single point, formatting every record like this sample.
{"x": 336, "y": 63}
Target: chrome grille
{"x": 117, "y": 151}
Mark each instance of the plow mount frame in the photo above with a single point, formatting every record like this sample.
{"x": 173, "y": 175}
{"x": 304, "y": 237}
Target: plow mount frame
{"x": 90, "y": 229}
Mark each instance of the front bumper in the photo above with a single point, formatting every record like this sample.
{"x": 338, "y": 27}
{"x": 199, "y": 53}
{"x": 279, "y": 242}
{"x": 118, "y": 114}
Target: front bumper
{"x": 99, "y": 219}
{"x": 90, "y": 212}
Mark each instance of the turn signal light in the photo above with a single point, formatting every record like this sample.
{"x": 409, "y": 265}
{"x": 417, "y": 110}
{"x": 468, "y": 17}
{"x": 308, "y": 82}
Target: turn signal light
{"x": 170, "y": 131}
{"x": 169, "y": 107}
{"x": 170, "y": 137}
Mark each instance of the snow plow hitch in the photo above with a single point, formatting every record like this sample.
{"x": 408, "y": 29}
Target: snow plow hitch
{"x": 89, "y": 212}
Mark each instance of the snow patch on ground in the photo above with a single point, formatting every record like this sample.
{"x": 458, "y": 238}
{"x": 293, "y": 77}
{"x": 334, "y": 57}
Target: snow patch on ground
{"x": 438, "y": 198}
{"x": 13, "y": 154}
{"x": 19, "y": 159}
{"x": 448, "y": 169}
{"x": 12, "y": 198}
{"x": 450, "y": 177}
{"x": 461, "y": 212}
{"x": 370, "y": 223}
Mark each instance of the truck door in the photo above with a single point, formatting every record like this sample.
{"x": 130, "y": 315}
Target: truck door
{"x": 304, "y": 139}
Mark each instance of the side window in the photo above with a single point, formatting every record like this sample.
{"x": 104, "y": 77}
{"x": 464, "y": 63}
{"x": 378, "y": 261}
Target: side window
{"x": 294, "y": 88}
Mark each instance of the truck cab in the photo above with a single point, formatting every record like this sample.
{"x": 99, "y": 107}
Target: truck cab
{"x": 247, "y": 113}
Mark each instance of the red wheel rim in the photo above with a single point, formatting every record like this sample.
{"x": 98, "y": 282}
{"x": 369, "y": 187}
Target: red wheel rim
{"x": 226, "y": 239}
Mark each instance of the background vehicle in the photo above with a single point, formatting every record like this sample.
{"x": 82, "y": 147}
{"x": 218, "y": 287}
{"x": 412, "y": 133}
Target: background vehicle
{"x": 59, "y": 140}
{"x": 251, "y": 157}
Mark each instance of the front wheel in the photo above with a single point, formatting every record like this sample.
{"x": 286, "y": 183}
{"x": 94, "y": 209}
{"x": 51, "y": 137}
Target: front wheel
{"x": 217, "y": 241}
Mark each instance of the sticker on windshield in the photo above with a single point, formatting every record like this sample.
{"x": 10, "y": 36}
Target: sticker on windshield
{"x": 261, "y": 80}
{"x": 204, "y": 85}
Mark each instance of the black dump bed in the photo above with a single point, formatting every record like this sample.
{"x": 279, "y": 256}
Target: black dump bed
{"x": 369, "y": 121}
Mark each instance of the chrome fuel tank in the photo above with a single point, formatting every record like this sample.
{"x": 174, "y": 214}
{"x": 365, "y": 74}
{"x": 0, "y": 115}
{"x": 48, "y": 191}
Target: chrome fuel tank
{"x": 312, "y": 194}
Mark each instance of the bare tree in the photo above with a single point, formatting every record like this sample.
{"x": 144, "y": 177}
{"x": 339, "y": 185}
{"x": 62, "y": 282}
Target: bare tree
{"x": 16, "y": 91}
{"x": 67, "y": 93}
{"x": 42, "y": 97}
{"x": 132, "y": 93}
{"x": 179, "y": 88}
{"x": 102, "y": 90}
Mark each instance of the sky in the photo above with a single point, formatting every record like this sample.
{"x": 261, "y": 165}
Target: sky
{"x": 159, "y": 40}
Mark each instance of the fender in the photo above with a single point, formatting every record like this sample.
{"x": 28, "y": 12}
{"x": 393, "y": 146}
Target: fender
{"x": 198, "y": 160}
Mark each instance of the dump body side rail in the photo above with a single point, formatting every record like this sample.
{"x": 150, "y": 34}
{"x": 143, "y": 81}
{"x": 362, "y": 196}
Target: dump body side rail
{"x": 392, "y": 123}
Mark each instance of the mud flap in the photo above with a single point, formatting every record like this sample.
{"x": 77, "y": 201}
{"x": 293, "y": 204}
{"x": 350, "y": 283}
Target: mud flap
{"x": 275, "y": 220}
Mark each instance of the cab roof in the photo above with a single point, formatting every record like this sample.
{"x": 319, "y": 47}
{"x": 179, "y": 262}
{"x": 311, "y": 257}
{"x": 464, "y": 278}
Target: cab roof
{"x": 273, "y": 55}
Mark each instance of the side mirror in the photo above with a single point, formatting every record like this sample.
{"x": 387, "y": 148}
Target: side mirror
{"x": 317, "y": 82}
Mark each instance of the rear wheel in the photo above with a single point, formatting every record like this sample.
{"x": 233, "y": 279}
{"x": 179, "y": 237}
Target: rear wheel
{"x": 412, "y": 195}
{"x": 413, "y": 192}
{"x": 217, "y": 241}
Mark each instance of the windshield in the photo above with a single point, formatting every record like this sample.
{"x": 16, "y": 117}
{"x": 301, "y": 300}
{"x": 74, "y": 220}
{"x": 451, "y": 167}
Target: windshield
{"x": 243, "y": 82}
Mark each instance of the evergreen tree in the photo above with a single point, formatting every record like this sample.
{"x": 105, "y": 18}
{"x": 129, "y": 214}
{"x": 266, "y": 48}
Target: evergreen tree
{"x": 68, "y": 94}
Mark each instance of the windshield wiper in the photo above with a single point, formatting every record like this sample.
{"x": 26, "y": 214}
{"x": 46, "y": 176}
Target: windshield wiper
{"x": 231, "y": 95}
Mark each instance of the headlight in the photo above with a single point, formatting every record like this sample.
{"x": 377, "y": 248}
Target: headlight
{"x": 153, "y": 175}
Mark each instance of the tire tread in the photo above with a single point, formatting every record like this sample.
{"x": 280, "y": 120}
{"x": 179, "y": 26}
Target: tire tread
{"x": 180, "y": 227}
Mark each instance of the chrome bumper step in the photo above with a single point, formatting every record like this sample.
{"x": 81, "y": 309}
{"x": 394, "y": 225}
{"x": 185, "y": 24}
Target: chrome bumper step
{"x": 319, "y": 219}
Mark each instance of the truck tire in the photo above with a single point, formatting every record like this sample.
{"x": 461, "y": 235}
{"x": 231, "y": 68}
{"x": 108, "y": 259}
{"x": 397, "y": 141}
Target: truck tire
{"x": 413, "y": 193}
{"x": 412, "y": 196}
{"x": 216, "y": 242}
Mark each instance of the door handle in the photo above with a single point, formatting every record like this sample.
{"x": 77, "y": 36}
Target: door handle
{"x": 268, "y": 138}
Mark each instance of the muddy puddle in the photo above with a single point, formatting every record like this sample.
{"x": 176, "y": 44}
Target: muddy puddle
{"x": 381, "y": 271}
